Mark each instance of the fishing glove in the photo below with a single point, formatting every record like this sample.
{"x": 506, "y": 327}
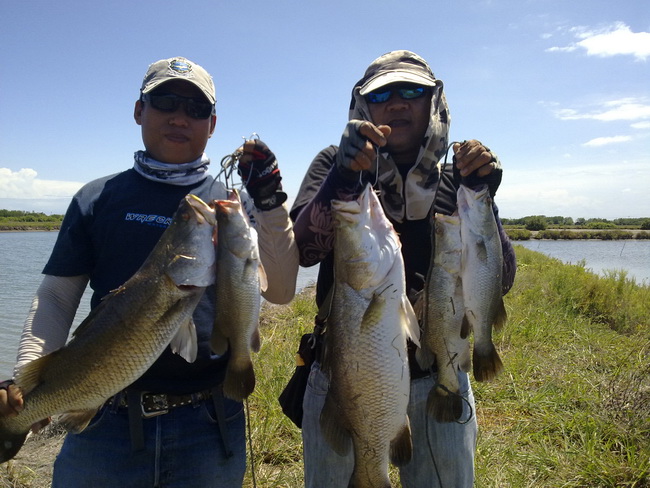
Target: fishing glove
{"x": 493, "y": 180}
{"x": 261, "y": 176}
{"x": 352, "y": 142}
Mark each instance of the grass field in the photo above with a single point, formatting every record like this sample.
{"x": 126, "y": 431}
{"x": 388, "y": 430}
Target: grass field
{"x": 571, "y": 409}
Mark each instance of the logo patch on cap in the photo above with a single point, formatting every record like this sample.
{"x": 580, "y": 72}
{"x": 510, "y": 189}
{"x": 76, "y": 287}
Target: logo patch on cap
{"x": 180, "y": 67}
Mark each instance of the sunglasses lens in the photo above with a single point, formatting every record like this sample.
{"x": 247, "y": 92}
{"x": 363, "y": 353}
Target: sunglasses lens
{"x": 412, "y": 92}
{"x": 406, "y": 93}
{"x": 164, "y": 103}
{"x": 198, "y": 110}
{"x": 378, "y": 97}
{"x": 170, "y": 103}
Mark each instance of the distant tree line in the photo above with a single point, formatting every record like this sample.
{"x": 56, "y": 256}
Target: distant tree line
{"x": 542, "y": 222}
{"x": 22, "y": 216}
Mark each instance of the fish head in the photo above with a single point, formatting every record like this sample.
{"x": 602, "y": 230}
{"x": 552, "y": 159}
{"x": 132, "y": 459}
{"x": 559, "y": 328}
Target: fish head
{"x": 188, "y": 246}
{"x": 233, "y": 226}
{"x": 472, "y": 203}
{"x": 366, "y": 244}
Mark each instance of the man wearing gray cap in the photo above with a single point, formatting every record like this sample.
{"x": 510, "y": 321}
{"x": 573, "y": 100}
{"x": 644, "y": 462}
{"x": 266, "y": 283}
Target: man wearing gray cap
{"x": 173, "y": 427}
{"x": 396, "y": 137}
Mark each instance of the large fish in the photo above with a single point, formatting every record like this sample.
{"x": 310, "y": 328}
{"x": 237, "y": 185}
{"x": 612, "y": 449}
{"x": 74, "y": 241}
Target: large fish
{"x": 240, "y": 278}
{"x": 482, "y": 265}
{"x": 123, "y": 336}
{"x": 445, "y": 328}
{"x": 365, "y": 353}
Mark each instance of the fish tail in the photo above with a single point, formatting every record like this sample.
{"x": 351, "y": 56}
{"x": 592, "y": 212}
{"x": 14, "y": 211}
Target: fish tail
{"x": 401, "y": 448}
{"x": 10, "y": 444}
{"x": 487, "y": 363}
{"x": 357, "y": 481}
{"x": 444, "y": 405}
{"x": 240, "y": 379}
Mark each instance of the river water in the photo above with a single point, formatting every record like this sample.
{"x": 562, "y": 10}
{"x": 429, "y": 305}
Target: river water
{"x": 632, "y": 256}
{"x": 24, "y": 254}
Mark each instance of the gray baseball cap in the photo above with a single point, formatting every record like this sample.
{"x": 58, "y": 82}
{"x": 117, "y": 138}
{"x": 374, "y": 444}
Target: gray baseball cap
{"x": 394, "y": 67}
{"x": 179, "y": 69}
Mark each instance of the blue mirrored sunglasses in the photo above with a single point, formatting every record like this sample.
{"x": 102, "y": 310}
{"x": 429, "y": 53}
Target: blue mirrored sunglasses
{"x": 168, "y": 102}
{"x": 404, "y": 92}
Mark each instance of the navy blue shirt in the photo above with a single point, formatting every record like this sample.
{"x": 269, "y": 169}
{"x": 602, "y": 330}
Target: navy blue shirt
{"x": 109, "y": 229}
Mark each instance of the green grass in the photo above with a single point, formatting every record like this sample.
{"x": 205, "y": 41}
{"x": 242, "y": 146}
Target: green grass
{"x": 571, "y": 409}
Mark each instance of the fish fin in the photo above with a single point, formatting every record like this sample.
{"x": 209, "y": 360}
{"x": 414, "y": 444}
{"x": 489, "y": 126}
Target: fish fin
{"x": 465, "y": 359}
{"x": 336, "y": 435}
{"x": 444, "y": 405}
{"x": 10, "y": 444}
{"x": 401, "y": 447}
{"x": 465, "y": 327}
{"x": 424, "y": 357}
{"x": 418, "y": 305}
{"x": 86, "y": 323}
{"x": 29, "y": 377}
{"x": 487, "y": 364}
{"x": 239, "y": 382}
{"x": 481, "y": 250}
{"x": 218, "y": 341}
{"x": 374, "y": 312}
{"x": 501, "y": 316}
{"x": 410, "y": 321}
{"x": 185, "y": 342}
{"x": 76, "y": 421}
{"x": 256, "y": 342}
{"x": 264, "y": 281}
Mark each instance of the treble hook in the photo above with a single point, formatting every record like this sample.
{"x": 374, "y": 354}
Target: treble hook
{"x": 229, "y": 162}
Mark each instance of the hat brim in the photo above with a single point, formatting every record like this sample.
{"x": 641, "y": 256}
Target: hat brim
{"x": 152, "y": 86}
{"x": 395, "y": 77}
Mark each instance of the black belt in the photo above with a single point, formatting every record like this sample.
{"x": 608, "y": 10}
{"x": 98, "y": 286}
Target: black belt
{"x": 153, "y": 404}
{"x": 144, "y": 405}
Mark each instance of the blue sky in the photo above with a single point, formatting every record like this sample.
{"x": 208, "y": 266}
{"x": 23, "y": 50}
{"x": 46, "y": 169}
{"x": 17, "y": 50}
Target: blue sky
{"x": 559, "y": 90}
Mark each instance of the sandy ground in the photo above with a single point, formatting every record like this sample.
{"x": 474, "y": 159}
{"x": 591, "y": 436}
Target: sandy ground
{"x": 32, "y": 466}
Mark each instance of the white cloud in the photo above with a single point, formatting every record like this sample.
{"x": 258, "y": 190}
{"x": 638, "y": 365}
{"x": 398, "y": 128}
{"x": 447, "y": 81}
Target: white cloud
{"x": 614, "y": 40}
{"x": 623, "y": 109}
{"x": 640, "y": 125}
{"x": 603, "y": 141}
{"x": 609, "y": 191}
{"x": 25, "y": 184}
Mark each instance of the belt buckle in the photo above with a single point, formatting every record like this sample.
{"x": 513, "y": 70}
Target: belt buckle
{"x": 159, "y": 403}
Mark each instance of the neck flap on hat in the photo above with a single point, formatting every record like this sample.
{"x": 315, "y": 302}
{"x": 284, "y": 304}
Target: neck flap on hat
{"x": 173, "y": 174}
{"x": 412, "y": 199}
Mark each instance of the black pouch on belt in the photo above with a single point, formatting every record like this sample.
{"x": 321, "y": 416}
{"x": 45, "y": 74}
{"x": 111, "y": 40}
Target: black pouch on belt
{"x": 291, "y": 397}
{"x": 310, "y": 345}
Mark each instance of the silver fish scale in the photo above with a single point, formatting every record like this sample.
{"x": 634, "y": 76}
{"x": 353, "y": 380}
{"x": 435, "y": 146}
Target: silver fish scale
{"x": 365, "y": 351}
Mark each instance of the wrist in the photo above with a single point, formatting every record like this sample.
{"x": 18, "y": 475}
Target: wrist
{"x": 270, "y": 202}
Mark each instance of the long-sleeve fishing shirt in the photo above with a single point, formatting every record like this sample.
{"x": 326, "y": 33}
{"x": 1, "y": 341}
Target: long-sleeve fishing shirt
{"x": 314, "y": 231}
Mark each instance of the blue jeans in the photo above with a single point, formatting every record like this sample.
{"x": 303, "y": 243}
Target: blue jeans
{"x": 183, "y": 449}
{"x": 443, "y": 453}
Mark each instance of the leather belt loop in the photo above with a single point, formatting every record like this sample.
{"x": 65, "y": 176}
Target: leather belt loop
{"x": 220, "y": 411}
{"x": 136, "y": 427}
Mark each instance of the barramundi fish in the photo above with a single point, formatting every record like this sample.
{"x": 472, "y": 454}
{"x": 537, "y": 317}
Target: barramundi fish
{"x": 239, "y": 283}
{"x": 445, "y": 329}
{"x": 123, "y": 336}
{"x": 482, "y": 267}
{"x": 365, "y": 355}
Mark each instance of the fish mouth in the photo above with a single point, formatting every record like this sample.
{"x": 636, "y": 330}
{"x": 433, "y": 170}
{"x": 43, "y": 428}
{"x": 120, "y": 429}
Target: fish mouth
{"x": 202, "y": 211}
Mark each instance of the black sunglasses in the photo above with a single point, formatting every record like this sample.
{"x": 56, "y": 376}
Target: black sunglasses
{"x": 168, "y": 102}
{"x": 405, "y": 92}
